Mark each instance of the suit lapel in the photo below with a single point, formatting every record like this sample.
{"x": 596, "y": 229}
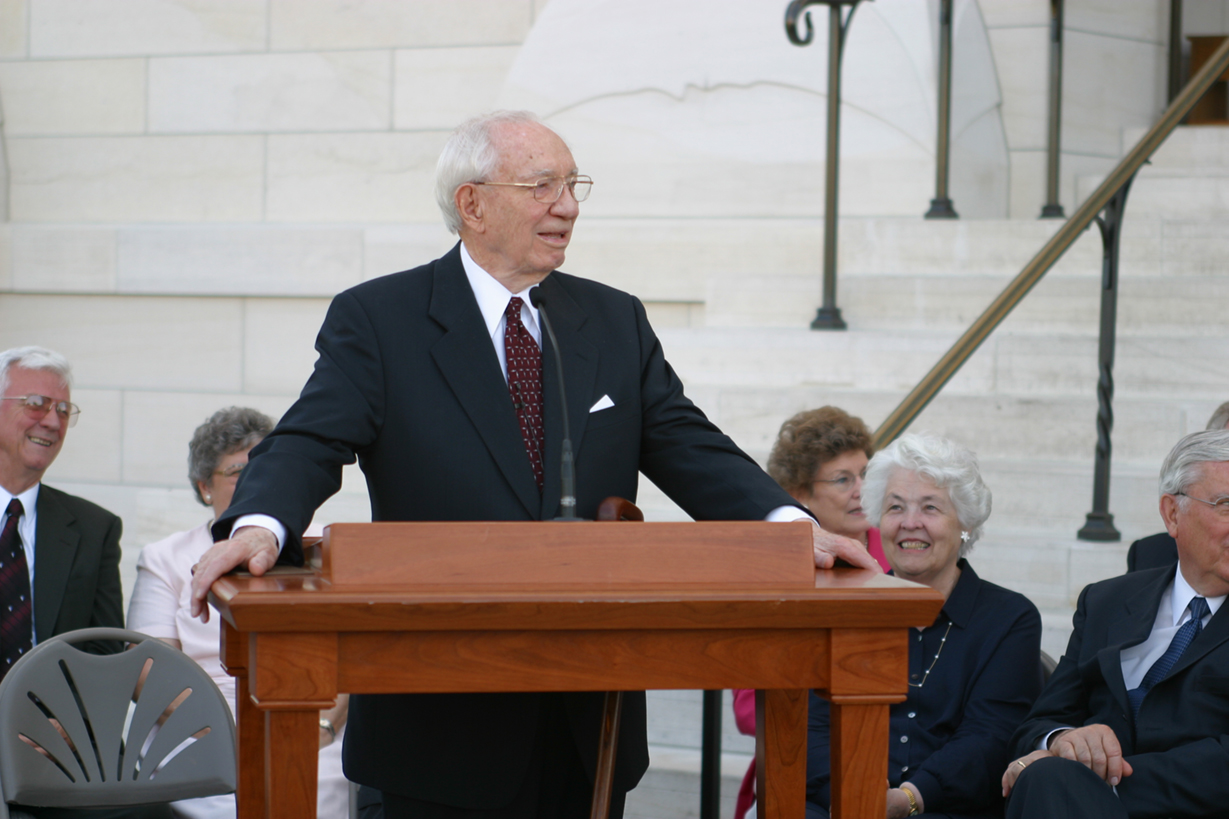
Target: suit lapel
{"x": 1130, "y": 626}
{"x": 469, "y": 365}
{"x": 579, "y": 358}
{"x": 55, "y": 549}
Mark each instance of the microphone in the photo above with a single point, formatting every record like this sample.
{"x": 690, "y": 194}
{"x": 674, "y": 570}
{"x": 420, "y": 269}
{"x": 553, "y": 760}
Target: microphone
{"x": 567, "y": 473}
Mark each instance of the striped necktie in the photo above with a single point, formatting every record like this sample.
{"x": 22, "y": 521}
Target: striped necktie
{"x": 1189, "y": 631}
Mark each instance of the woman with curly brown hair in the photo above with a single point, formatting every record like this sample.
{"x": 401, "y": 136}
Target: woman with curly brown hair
{"x": 820, "y": 458}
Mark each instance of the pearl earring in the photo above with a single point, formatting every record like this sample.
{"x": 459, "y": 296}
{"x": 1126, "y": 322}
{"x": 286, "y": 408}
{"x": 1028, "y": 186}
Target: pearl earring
{"x": 209, "y": 499}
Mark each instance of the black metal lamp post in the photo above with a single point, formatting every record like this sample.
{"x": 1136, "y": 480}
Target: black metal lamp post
{"x": 941, "y": 206}
{"x": 1099, "y": 523}
{"x": 1053, "y": 209}
{"x": 828, "y": 317}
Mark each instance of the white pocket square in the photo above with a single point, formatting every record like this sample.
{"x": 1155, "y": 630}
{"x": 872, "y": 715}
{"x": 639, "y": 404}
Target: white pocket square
{"x": 602, "y": 403}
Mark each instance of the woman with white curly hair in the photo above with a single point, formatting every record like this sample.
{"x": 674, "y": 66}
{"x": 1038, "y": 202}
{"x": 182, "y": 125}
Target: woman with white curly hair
{"x": 973, "y": 673}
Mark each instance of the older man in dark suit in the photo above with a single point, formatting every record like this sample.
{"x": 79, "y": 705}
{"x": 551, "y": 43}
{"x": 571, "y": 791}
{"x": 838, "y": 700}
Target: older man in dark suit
{"x": 72, "y": 544}
{"x": 1135, "y": 719}
{"x": 440, "y": 382}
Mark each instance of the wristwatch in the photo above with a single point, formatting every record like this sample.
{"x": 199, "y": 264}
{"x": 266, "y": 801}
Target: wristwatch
{"x": 913, "y": 809}
{"x": 328, "y": 726}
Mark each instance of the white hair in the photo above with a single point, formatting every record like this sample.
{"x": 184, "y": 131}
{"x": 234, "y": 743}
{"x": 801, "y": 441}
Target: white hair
{"x": 471, "y": 156}
{"x": 34, "y": 358}
{"x": 1183, "y": 465}
{"x": 1220, "y": 418}
{"x": 946, "y": 464}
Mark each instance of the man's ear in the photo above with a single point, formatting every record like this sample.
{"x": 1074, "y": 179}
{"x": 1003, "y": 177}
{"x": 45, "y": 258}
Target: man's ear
{"x": 469, "y": 207}
{"x": 1169, "y": 514}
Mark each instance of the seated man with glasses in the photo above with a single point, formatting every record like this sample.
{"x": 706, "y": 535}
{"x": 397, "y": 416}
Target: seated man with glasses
{"x": 440, "y": 382}
{"x": 1135, "y": 719}
{"x": 59, "y": 554}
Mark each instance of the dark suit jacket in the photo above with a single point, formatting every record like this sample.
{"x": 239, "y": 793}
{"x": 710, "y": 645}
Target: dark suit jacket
{"x": 408, "y": 381}
{"x": 1152, "y": 552}
{"x": 1179, "y": 748}
{"x": 76, "y": 568}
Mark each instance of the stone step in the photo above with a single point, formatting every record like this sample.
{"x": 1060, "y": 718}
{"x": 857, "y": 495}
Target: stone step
{"x": 1189, "y": 146}
{"x": 893, "y": 360}
{"x": 1177, "y": 305}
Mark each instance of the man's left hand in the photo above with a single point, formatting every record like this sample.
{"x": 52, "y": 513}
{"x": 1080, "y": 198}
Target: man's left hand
{"x": 1016, "y": 767}
{"x": 828, "y": 547}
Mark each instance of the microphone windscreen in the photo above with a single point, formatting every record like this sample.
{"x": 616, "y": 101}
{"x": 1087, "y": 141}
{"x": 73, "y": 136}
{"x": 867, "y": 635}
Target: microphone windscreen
{"x": 535, "y": 297}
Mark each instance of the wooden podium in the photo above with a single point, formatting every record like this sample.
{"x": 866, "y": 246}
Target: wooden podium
{"x": 473, "y": 607}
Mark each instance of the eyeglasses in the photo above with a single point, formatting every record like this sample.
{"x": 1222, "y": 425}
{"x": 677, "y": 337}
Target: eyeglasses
{"x": 231, "y": 472}
{"x": 843, "y": 483}
{"x": 1221, "y": 505}
{"x": 548, "y": 190}
{"x": 37, "y": 406}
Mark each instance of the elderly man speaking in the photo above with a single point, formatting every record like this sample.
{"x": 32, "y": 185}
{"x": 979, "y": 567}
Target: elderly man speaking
{"x": 438, "y": 380}
{"x": 1134, "y": 721}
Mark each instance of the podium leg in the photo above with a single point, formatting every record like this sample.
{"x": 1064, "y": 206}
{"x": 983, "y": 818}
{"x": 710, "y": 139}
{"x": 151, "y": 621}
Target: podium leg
{"x": 250, "y": 722}
{"x": 291, "y": 740}
{"x": 249, "y": 725}
{"x": 859, "y": 760}
{"x": 781, "y": 753}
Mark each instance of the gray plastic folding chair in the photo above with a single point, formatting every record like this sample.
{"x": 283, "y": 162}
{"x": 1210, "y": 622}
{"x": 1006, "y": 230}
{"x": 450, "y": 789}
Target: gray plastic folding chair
{"x": 81, "y": 730}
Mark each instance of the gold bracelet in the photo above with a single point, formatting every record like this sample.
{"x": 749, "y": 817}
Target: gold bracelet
{"x": 913, "y": 808}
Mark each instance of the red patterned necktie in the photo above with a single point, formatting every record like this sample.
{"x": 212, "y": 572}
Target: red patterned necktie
{"x": 16, "y": 624}
{"x": 525, "y": 383}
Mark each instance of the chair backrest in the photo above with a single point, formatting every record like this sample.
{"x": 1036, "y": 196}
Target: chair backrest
{"x": 143, "y": 726}
{"x": 1048, "y": 664}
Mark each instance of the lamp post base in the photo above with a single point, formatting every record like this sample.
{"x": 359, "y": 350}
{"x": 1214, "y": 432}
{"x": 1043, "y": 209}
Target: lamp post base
{"x": 941, "y": 209}
{"x": 828, "y": 318}
{"x": 1099, "y": 526}
{"x": 1052, "y": 211}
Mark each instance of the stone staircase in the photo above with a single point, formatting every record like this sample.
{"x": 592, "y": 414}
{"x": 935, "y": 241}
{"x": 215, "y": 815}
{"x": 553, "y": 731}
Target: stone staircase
{"x": 1026, "y": 400}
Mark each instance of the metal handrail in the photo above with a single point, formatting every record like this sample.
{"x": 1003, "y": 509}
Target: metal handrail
{"x": 1001, "y": 307}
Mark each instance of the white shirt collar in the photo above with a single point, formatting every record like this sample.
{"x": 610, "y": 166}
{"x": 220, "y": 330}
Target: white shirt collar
{"x": 493, "y": 297}
{"x": 29, "y": 500}
{"x": 1183, "y": 594}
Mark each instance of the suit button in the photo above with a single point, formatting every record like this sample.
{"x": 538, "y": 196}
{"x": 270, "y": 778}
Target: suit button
{"x": 904, "y": 739}
{"x": 913, "y": 715}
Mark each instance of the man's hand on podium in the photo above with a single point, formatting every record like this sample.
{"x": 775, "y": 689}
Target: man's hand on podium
{"x": 251, "y": 547}
{"x": 829, "y": 547}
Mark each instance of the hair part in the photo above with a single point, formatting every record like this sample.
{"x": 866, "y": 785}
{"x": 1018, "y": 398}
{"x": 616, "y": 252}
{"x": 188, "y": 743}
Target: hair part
{"x": 1220, "y": 418}
{"x": 34, "y": 358}
{"x": 471, "y": 155}
{"x": 1183, "y": 465}
{"x": 812, "y": 438}
{"x": 228, "y": 430}
{"x": 943, "y": 462}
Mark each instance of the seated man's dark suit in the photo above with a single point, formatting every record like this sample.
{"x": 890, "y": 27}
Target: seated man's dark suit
{"x": 1152, "y": 552}
{"x": 408, "y": 381}
{"x": 1179, "y": 746}
{"x": 76, "y": 568}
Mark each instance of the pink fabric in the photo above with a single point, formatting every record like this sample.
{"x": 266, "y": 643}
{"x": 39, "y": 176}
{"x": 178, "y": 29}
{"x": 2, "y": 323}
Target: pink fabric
{"x": 744, "y": 718}
{"x": 874, "y": 545}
